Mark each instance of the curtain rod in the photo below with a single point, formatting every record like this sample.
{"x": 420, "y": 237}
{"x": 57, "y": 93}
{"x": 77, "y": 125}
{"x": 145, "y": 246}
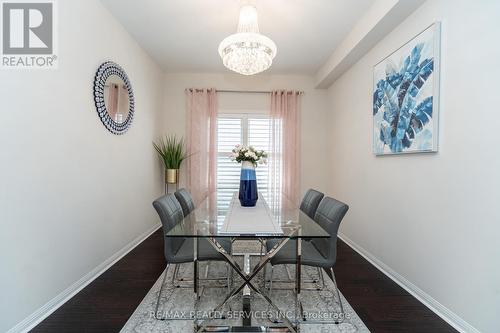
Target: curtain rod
{"x": 247, "y": 91}
{"x": 244, "y": 91}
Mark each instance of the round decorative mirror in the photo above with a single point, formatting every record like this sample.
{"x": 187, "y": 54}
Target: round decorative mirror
{"x": 114, "y": 97}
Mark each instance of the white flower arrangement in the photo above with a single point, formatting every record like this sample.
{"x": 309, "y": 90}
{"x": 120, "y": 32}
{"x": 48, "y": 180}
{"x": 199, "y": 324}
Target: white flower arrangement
{"x": 242, "y": 153}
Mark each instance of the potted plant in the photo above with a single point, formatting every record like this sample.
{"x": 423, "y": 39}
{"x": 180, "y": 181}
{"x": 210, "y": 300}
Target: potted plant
{"x": 172, "y": 152}
{"x": 249, "y": 157}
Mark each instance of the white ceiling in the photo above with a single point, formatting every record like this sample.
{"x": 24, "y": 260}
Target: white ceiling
{"x": 183, "y": 35}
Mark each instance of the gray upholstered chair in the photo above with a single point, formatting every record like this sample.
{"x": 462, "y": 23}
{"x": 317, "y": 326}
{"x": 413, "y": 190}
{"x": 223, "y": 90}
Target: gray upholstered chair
{"x": 310, "y": 202}
{"x": 319, "y": 252}
{"x": 179, "y": 250}
{"x": 308, "y": 205}
{"x": 186, "y": 201}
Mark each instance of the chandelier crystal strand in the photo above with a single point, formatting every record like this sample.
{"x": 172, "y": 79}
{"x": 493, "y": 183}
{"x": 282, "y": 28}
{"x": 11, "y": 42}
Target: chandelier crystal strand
{"x": 247, "y": 52}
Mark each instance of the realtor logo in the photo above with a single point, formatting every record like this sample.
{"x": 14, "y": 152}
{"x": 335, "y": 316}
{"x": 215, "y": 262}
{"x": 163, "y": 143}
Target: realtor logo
{"x": 28, "y": 34}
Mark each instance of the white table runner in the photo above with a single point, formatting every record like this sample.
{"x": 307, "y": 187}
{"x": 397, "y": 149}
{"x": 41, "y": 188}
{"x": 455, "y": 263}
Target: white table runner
{"x": 257, "y": 220}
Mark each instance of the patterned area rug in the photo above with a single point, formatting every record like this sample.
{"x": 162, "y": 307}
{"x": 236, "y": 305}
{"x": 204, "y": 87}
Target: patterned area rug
{"x": 320, "y": 308}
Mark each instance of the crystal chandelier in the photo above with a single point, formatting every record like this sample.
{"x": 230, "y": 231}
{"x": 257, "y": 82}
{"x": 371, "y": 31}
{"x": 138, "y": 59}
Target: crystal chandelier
{"x": 247, "y": 52}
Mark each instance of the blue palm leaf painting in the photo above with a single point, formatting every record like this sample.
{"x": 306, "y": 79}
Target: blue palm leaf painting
{"x": 403, "y": 98}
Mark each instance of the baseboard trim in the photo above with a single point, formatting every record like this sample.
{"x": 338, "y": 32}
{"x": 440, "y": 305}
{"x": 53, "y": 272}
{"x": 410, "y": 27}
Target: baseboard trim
{"x": 46, "y": 310}
{"x": 446, "y": 314}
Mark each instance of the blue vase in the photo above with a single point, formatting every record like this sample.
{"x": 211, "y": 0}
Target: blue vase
{"x": 248, "y": 185}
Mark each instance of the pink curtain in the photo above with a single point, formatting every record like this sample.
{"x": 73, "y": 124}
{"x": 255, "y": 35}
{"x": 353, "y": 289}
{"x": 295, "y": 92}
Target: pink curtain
{"x": 201, "y": 142}
{"x": 284, "y": 157}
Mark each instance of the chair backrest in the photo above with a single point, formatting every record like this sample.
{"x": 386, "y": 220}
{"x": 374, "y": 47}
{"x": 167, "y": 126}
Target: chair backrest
{"x": 186, "y": 201}
{"x": 310, "y": 202}
{"x": 329, "y": 214}
{"x": 170, "y": 212}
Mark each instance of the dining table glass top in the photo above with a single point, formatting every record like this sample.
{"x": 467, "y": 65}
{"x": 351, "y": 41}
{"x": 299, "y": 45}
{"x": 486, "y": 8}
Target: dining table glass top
{"x": 209, "y": 219}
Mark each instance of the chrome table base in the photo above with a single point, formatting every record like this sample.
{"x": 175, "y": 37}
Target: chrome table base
{"x": 247, "y": 286}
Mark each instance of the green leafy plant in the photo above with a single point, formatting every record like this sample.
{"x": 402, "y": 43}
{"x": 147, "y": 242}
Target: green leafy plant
{"x": 172, "y": 151}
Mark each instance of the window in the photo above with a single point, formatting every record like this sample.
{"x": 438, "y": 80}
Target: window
{"x": 246, "y": 129}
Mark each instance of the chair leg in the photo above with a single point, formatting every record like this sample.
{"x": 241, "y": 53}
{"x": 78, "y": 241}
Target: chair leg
{"x": 231, "y": 272}
{"x": 342, "y": 315}
{"x": 271, "y": 282}
{"x": 159, "y": 294}
{"x": 264, "y": 275}
{"x": 322, "y": 279}
{"x": 176, "y": 274}
{"x": 288, "y": 274}
{"x": 228, "y": 278}
{"x": 270, "y": 285}
{"x": 202, "y": 288}
{"x": 275, "y": 320}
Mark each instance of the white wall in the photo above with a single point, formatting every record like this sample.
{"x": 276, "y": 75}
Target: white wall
{"x": 313, "y": 114}
{"x": 432, "y": 218}
{"x": 71, "y": 193}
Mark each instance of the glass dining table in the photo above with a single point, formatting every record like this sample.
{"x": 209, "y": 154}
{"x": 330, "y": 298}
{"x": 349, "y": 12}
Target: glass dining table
{"x": 210, "y": 221}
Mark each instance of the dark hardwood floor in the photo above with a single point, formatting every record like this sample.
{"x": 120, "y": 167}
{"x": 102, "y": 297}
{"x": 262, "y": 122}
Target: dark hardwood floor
{"x": 382, "y": 304}
{"x": 106, "y": 303}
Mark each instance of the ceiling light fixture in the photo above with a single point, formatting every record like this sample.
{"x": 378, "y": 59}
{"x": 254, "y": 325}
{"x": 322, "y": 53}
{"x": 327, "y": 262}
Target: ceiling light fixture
{"x": 247, "y": 52}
